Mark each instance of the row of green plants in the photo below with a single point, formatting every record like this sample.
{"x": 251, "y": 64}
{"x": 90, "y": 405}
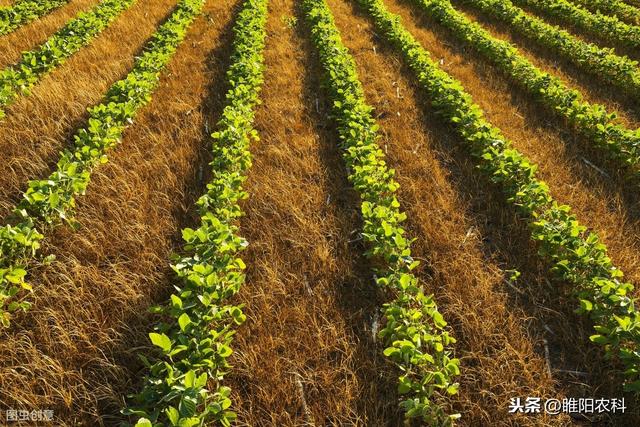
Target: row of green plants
{"x": 623, "y": 11}
{"x": 601, "y": 62}
{"x": 592, "y": 121}
{"x": 25, "y": 11}
{"x": 576, "y": 255}
{"x": 605, "y": 27}
{"x": 21, "y": 78}
{"x": 183, "y": 386}
{"x": 415, "y": 336}
{"x": 49, "y": 201}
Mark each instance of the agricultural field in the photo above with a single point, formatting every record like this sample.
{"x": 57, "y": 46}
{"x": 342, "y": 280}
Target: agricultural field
{"x": 319, "y": 213}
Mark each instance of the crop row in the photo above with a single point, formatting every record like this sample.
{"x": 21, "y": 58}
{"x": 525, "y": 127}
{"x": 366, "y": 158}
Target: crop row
{"x": 78, "y": 32}
{"x": 596, "y": 24}
{"x": 623, "y": 11}
{"x": 590, "y": 120}
{"x": 197, "y": 328}
{"x": 601, "y": 62}
{"x": 47, "y": 202}
{"x": 24, "y": 11}
{"x": 577, "y": 256}
{"x": 414, "y": 334}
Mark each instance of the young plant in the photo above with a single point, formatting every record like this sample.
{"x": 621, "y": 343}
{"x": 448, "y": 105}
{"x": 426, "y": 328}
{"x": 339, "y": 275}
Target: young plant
{"x": 605, "y": 27}
{"x": 621, "y": 10}
{"x": 591, "y": 121}
{"x": 25, "y": 11}
{"x": 577, "y": 255}
{"x": 20, "y": 78}
{"x": 49, "y": 201}
{"x": 183, "y": 386}
{"x": 601, "y": 62}
{"x": 415, "y": 334}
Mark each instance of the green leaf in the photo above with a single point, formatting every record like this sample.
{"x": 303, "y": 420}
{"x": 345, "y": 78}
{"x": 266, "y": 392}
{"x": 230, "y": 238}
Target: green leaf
{"x": 452, "y": 389}
{"x": 189, "y": 379}
{"x": 404, "y": 384}
{"x": 187, "y": 407}
{"x": 201, "y": 381}
{"x": 184, "y": 320}
{"x": 388, "y": 230}
{"x": 143, "y": 422}
{"x": 391, "y": 351}
{"x": 16, "y": 275}
{"x": 173, "y": 415}
{"x": 586, "y": 305}
{"x": 599, "y": 339}
{"x": 224, "y": 350}
{"x": 161, "y": 340}
{"x": 176, "y": 301}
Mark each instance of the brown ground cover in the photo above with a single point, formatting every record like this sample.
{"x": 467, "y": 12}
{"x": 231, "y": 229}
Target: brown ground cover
{"x": 39, "y": 126}
{"x": 76, "y": 351}
{"x": 36, "y": 32}
{"x": 591, "y": 87}
{"x": 307, "y": 353}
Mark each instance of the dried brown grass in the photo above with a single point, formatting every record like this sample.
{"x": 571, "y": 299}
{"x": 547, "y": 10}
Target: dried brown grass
{"x": 306, "y": 355}
{"x": 39, "y": 126}
{"x": 76, "y": 351}
{"x": 36, "y": 32}
{"x": 593, "y": 89}
{"x": 587, "y": 36}
{"x": 501, "y": 355}
{"x": 598, "y": 203}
